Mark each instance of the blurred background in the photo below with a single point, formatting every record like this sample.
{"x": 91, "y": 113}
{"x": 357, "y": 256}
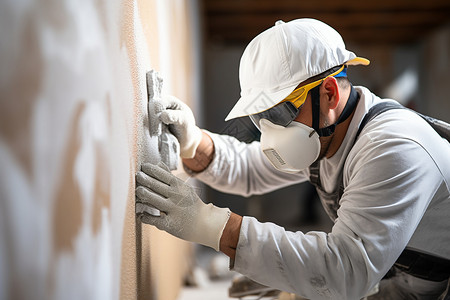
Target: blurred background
{"x": 74, "y": 128}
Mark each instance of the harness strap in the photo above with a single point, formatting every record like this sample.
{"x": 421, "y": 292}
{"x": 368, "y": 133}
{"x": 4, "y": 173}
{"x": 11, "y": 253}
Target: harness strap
{"x": 375, "y": 111}
{"x": 330, "y": 201}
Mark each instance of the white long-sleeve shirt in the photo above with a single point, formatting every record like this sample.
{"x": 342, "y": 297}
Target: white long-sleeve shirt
{"x": 396, "y": 194}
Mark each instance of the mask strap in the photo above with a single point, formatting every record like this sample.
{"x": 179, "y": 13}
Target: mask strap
{"x": 315, "y": 97}
{"x": 348, "y": 109}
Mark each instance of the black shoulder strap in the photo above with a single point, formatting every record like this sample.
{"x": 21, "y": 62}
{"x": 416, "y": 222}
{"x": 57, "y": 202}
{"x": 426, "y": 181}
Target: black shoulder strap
{"x": 441, "y": 127}
{"x": 375, "y": 111}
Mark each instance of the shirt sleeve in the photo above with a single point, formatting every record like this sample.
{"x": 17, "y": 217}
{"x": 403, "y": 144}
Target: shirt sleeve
{"x": 388, "y": 186}
{"x": 240, "y": 168}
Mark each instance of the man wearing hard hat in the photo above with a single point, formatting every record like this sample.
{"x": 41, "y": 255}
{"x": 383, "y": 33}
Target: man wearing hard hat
{"x": 385, "y": 182}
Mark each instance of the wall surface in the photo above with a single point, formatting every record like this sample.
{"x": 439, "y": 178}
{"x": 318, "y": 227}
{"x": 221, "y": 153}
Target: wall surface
{"x": 73, "y": 111}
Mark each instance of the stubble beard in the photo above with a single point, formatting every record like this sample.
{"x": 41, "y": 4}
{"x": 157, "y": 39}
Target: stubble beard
{"x": 325, "y": 142}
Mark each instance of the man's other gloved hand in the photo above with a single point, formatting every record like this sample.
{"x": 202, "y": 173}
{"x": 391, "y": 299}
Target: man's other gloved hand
{"x": 181, "y": 121}
{"x": 183, "y": 213}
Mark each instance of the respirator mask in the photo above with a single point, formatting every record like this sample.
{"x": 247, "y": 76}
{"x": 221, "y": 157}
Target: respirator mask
{"x": 289, "y": 149}
{"x": 289, "y": 146}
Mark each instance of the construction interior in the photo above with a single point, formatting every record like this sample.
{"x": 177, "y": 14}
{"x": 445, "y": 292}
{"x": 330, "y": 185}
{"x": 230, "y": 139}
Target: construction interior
{"x": 75, "y": 127}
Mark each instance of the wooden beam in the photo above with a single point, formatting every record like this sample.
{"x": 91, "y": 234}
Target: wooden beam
{"x": 350, "y": 19}
{"x": 255, "y": 6}
{"x": 381, "y": 21}
{"x": 363, "y": 36}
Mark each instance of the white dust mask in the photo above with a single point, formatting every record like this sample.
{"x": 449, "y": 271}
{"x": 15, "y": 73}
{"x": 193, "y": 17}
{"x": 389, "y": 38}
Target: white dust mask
{"x": 290, "y": 149}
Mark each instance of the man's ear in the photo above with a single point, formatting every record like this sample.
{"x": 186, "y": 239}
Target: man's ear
{"x": 331, "y": 89}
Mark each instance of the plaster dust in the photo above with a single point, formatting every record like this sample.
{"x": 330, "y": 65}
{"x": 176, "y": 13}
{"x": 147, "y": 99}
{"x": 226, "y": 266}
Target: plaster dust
{"x": 73, "y": 103}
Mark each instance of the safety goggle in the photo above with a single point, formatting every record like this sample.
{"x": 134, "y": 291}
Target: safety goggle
{"x": 287, "y": 110}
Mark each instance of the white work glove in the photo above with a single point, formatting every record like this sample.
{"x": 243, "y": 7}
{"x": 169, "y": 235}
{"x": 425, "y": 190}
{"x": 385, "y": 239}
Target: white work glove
{"x": 181, "y": 121}
{"x": 183, "y": 213}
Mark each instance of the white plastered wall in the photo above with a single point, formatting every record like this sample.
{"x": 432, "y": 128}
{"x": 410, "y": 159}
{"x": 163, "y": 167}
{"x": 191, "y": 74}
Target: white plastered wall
{"x": 73, "y": 100}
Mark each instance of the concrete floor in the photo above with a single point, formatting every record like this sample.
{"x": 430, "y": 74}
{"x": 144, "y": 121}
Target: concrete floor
{"x": 216, "y": 290}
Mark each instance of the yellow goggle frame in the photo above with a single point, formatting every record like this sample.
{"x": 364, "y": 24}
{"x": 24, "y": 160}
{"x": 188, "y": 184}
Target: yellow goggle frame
{"x": 298, "y": 96}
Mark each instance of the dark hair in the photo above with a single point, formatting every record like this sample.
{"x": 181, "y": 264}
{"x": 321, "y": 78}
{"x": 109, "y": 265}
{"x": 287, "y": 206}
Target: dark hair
{"x": 342, "y": 81}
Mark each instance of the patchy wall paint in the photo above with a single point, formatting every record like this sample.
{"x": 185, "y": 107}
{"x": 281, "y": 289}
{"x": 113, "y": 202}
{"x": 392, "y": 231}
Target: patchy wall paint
{"x": 73, "y": 101}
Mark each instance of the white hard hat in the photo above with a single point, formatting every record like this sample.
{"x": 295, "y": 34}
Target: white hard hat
{"x": 278, "y": 59}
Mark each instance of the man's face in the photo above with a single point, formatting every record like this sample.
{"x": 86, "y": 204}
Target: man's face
{"x": 305, "y": 117}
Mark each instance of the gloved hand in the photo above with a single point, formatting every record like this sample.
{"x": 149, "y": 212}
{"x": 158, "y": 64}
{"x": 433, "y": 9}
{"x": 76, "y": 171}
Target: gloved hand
{"x": 181, "y": 121}
{"x": 183, "y": 213}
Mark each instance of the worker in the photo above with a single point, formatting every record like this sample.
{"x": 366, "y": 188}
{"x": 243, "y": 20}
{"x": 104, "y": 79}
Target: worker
{"x": 387, "y": 190}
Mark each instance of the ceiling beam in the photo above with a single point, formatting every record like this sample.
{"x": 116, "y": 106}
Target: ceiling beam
{"x": 365, "y": 36}
{"x": 255, "y": 6}
{"x": 374, "y": 22}
{"x": 350, "y": 19}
